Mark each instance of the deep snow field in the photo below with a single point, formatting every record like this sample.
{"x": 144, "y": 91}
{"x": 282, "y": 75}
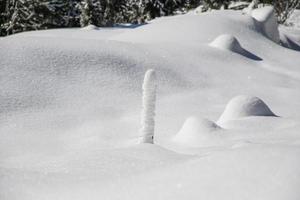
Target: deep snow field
{"x": 70, "y": 104}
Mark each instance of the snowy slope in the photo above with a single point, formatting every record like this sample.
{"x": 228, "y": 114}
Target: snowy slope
{"x": 70, "y": 103}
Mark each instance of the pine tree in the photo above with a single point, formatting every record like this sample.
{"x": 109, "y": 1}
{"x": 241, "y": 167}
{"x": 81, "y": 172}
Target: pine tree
{"x": 86, "y": 13}
{"x": 115, "y": 11}
{"x": 215, "y": 4}
{"x": 190, "y": 4}
{"x": 130, "y": 12}
{"x": 72, "y": 13}
{"x": 151, "y": 9}
{"x": 104, "y": 12}
{"x": 4, "y": 5}
{"x": 67, "y": 11}
{"x": 109, "y": 13}
{"x": 26, "y": 15}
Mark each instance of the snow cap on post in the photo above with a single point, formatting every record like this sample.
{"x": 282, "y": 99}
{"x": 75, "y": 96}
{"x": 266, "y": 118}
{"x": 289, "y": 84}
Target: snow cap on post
{"x": 148, "y": 112}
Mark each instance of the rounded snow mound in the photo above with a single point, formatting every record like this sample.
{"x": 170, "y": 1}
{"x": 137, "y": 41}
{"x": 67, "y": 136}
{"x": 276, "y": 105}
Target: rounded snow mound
{"x": 245, "y": 106}
{"x": 227, "y": 42}
{"x": 90, "y": 27}
{"x": 263, "y": 14}
{"x": 230, "y": 43}
{"x": 267, "y": 22}
{"x": 197, "y": 132}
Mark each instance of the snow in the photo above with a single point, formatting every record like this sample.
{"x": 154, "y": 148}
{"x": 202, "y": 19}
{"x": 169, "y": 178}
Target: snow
{"x": 245, "y": 106}
{"x": 197, "y": 132}
{"x": 90, "y": 27}
{"x": 227, "y": 42}
{"x": 148, "y": 112}
{"x": 266, "y": 19}
{"x": 230, "y": 43}
{"x": 70, "y": 103}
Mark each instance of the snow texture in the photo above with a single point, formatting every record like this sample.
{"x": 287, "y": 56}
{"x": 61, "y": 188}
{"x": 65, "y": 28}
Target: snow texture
{"x": 267, "y": 22}
{"x": 245, "y": 106}
{"x": 148, "y": 113}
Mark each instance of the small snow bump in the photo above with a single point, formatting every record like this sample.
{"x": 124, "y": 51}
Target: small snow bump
{"x": 227, "y": 42}
{"x": 245, "y": 106}
{"x": 90, "y": 27}
{"x": 197, "y": 132}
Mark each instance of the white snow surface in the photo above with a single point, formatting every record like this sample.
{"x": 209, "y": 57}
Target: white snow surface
{"x": 70, "y": 103}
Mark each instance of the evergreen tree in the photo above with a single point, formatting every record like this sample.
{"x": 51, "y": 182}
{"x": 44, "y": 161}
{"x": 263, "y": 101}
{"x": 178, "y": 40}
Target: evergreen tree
{"x": 215, "y": 4}
{"x": 86, "y": 13}
{"x": 26, "y": 15}
{"x": 190, "y": 4}
{"x": 67, "y": 11}
{"x": 103, "y": 12}
{"x": 3, "y": 16}
{"x": 130, "y": 12}
{"x": 115, "y": 11}
{"x": 151, "y": 9}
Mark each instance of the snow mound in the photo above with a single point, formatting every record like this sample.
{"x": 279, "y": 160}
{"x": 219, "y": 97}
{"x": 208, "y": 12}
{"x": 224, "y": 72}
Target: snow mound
{"x": 197, "y": 132}
{"x": 245, "y": 106}
{"x": 231, "y": 43}
{"x": 227, "y": 42}
{"x": 266, "y": 22}
{"x": 90, "y": 27}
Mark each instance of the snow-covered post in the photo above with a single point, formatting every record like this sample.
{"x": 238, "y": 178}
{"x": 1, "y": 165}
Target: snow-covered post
{"x": 148, "y": 112}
